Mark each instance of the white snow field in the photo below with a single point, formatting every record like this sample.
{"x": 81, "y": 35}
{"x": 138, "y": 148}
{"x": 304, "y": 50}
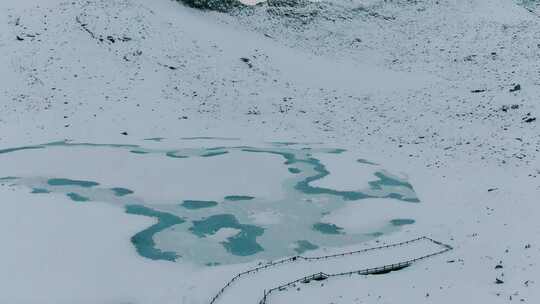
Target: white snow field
{"x": 435, "y": 103}
{"x": 251, "y": 287}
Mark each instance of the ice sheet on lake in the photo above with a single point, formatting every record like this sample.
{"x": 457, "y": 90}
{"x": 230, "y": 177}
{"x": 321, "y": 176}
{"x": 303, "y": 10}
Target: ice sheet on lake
{"x": 222, "y": 204}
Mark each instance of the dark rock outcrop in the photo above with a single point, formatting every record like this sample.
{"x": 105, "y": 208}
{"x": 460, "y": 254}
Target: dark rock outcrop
{"x": 214, "y": 5}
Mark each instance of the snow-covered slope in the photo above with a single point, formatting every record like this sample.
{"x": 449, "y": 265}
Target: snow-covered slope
{"x": 446, "y": 91}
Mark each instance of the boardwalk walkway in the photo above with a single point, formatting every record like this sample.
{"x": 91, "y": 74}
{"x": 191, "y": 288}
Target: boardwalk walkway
{"x": 256, "y": 285}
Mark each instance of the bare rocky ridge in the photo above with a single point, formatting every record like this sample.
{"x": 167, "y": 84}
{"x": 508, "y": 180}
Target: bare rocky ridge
{"x": 397, "y": 36}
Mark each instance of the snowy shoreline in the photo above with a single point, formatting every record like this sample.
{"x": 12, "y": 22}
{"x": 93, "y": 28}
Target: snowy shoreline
{"x": 423, "y": 88}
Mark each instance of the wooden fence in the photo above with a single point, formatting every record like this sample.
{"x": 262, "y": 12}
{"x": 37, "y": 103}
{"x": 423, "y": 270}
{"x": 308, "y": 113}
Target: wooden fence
{"x": 322, "y": 276}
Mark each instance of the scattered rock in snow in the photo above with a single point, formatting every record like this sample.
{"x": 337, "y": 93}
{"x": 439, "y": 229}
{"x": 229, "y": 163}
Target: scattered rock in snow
{"x": 516, "y": 88}
{"x": 528, "y": 118}
{"x": 247, "y": 61}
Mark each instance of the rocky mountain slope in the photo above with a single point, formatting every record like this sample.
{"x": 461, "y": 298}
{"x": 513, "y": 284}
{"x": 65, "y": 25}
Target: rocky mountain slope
{"x": 444, "y": 90}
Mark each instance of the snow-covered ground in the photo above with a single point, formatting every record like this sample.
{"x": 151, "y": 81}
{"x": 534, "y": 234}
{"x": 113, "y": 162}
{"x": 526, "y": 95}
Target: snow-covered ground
{"x": 445, "y": 92}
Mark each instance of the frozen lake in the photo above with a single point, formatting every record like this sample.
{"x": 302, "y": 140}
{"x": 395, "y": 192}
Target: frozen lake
{"x": 216, "y": 201}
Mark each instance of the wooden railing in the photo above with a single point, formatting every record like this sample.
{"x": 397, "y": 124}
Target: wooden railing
{"x": 321, "y": 275}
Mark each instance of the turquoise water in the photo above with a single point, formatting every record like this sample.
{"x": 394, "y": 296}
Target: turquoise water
{"x": 388, "y": 181}
{"x": 242, "y": 244}
{"x": 40, "y": 191}
{"x": 77, "y": 197}
{"x": 401, "y": 222}
{"x": 284, "y": 143}
{"x": 214, "y": 153}
{"x": 209, "y": 138}
{"x": 294, "y": 170}
{"x": 118, "y": 191}
{"x": 385, "y": 180}
{"x": 174, "y": 155}
{"x": 336, "y": 151}
{"x": 198, "y": 204}
{"x": 144, "y": 240}
{"x": 10, "y": 150}
{"x": 306, "y": 188}
{"x": 327, "y": 228}
{"x": 158, "y": 139}
{"x": 264, "y": 228}
{"x": 66, "y": 143}
{"x": 303, "y": 246}
{"x": 366, "y": 162}
{"x": 71, "y": 182}
{"x": 235, "y": 198}
{"x": 304, "y": 185}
